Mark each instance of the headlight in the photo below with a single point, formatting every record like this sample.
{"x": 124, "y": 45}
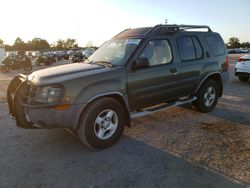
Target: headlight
{"x": 48, "y": 94}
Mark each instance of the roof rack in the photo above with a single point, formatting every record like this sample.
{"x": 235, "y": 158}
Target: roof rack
{"x": 168, "y": 29}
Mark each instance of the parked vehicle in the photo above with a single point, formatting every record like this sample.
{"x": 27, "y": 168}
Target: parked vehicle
{"x": 77, "y": 57}
{"x": 88, "y": 52}
{"x": 13, "y": 62}
{"x": 136, "y": 73}
{"x": 238, "y": 51}
{"x": 61, "y": 55}
{"x": 242, "y": 68}
{"x": 45, "y": 59}
{"x": 2, "y": 54}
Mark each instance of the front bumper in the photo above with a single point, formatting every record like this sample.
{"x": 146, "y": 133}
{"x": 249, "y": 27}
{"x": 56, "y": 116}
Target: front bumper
{"x": 35, "y": 116}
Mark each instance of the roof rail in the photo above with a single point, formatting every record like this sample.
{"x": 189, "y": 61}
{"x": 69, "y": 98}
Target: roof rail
{"x": 168, "y": 29}
{"x": 194, "y": 27}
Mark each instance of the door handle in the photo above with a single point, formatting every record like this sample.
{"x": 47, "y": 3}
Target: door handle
{"x": 173, "y": 71}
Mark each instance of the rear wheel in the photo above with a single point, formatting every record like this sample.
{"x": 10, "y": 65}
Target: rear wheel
{"x": 27, "y": 67}
{"x": 243, "y": 78}
{"x": 5, "y": 69}
{"x": 207, "y": 96}
{"x": 102, "y": 123}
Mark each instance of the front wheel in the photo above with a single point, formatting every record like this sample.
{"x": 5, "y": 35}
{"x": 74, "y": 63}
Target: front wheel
{"x": 102, "y": 123}
{"x": 207, "y": 96}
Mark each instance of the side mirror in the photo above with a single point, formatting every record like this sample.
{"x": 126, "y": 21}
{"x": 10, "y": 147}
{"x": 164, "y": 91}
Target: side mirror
{"x": 140, "y": 63}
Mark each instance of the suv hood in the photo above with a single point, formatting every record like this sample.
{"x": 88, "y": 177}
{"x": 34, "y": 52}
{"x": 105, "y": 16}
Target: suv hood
{"x": 65, "y": 72}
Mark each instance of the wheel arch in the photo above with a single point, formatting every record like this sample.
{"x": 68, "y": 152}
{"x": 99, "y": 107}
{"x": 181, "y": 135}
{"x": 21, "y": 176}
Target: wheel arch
{"x": 115, "y": 95}
{"x": 213, "y": 76}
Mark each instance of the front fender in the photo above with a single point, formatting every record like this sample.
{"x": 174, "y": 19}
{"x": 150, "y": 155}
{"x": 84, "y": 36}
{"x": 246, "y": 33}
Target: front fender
{"x": 100, "y": 88}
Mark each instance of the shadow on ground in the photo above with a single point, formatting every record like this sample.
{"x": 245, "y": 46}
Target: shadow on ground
{"x": 55, "y": 159}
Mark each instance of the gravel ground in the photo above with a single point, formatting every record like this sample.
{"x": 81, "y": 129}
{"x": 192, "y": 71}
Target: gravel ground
{"x": 174, "y": 148}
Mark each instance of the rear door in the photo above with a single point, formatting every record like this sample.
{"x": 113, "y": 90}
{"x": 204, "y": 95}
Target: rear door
{"x": 190, "y": 62}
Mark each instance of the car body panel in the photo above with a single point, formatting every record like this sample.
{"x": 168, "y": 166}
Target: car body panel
{"x": 242, "y": 67}
{"x": 85, "y": 82}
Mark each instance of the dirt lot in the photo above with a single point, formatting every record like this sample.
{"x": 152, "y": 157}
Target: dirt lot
{"x": 175, "y": 148}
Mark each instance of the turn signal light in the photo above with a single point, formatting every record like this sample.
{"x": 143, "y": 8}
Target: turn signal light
{"x": 62, "y": 107}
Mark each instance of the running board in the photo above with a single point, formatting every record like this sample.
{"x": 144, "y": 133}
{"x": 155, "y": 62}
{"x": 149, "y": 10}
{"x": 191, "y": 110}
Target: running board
{"x": 162, "y": 107}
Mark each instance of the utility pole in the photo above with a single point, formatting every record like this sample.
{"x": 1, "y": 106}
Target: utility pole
{"x": 78, "y": 38}
{"x": 166, "y": 21}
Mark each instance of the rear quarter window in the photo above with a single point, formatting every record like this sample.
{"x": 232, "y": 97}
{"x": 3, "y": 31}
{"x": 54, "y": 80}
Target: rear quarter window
{"x": 216, "y": 45}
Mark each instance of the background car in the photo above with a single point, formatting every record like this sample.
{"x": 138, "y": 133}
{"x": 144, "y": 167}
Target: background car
{"x": 45, "y": 59}
{"x": 88, "y": 52}
{"x": 237, "y": 51}
{"x": 76, "y": 57}
{"x": 242, "y": 68}
{"x": 2, "y": 54}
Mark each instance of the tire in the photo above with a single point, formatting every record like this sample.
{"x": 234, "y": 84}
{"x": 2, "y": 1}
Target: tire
{"x": 243, "y": 78}
{"x": 109, "y": 128}
{"x": 27, "y": 67}
{"x": 5, "y": 69}
{"x": 207, "y": 96}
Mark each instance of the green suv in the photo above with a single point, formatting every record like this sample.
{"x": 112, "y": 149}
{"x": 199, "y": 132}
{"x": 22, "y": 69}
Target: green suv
{"x": 138, "y": 72}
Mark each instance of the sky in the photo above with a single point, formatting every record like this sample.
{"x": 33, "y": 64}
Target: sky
{"x": 99, "y": 20}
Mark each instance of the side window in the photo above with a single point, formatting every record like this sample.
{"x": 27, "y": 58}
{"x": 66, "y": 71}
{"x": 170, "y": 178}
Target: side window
{"x": 157, "y": 52}
{"x": 216, "y": 45}
{"x": 198, "y": 48}
{"x": 186, "y": 48}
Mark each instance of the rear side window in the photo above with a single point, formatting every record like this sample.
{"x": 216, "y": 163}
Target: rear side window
{"x": 189, "y": 48}
{"x": 216, "y": 45}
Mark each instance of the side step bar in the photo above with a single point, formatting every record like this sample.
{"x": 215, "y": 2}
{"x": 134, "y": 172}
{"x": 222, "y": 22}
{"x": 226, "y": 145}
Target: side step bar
{"x": 162, "y": 107}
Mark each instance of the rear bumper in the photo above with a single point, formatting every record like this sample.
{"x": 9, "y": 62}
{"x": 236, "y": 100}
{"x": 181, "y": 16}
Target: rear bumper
{"x": 225, "y": 76}
{"x": 33, "y": 117}
{"x": 243, "y": 74}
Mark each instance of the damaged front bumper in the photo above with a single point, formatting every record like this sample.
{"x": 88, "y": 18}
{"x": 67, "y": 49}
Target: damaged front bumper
{"x": 34, "y": 116}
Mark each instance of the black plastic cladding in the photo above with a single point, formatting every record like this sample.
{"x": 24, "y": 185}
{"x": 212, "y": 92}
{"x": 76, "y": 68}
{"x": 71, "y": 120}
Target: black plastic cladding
{"x": 159, "y": 30}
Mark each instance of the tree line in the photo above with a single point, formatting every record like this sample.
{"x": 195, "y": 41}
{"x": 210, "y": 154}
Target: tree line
{"x": 41, "y": 44}
{"x": 37, "y": 44}
{"x": 235, "y": 43}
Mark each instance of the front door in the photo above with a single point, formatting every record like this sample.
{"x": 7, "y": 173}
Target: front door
{"x": 157, "y": 83}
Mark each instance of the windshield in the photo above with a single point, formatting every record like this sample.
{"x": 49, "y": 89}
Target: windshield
{"x": 115, "y": 51}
